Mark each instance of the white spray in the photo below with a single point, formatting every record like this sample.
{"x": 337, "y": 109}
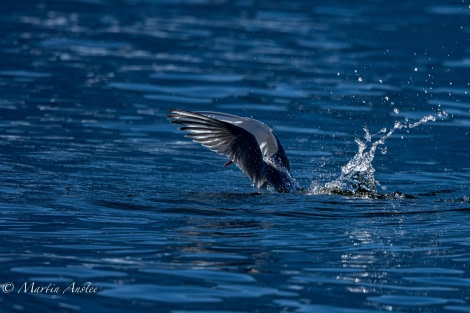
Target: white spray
{"x": 357, "y": 176}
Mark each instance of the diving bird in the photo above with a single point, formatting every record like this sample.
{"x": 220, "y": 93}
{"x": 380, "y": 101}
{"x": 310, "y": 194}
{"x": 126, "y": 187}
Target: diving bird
{"x": 248, "y": 143}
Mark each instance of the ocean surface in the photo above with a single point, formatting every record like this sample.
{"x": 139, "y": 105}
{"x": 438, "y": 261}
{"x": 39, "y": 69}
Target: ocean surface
{"x": 106, "y": 207}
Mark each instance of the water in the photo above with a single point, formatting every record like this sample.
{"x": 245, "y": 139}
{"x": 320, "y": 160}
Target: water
{"x": 357, "y": 176}
{"x": 99, "y": 191}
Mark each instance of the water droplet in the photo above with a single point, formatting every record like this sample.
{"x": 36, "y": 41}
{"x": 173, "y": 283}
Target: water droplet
{"x": 396, "y": 110}
{"x": 357, "y": 176}
{"x": 359, "y": 79}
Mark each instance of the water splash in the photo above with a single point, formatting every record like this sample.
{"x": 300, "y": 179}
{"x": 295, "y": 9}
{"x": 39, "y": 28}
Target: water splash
{"x": 357, "y": 176}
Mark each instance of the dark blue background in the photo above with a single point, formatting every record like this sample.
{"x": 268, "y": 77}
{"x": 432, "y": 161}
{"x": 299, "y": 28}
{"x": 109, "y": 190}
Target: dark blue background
{"x": 97, "y": 186}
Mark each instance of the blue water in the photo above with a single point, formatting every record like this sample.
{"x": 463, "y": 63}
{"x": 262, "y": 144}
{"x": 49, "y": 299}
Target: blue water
{"x": 96, "y": 186}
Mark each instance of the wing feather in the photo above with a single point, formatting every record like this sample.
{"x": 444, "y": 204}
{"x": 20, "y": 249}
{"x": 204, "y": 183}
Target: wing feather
{"x": 224, "y": 138}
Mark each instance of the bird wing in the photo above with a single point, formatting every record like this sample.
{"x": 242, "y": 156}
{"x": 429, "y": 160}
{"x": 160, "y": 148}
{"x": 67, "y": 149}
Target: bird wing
{"x": 224, "y": 138}
{"x": 268, "y": 142}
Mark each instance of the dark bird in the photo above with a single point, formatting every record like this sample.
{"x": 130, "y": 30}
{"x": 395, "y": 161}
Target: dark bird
{"x": 248, "y": 143}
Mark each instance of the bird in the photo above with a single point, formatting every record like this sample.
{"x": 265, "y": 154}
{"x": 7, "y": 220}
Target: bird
{"x": 249, "y": 143}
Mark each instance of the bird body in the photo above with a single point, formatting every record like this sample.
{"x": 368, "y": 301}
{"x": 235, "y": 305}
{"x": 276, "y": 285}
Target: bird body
{"x": 249, "y": 143}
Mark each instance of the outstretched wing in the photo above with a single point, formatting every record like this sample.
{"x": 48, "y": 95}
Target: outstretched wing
{"x": 224, "y": 138}
{"x": 268, "y": 142}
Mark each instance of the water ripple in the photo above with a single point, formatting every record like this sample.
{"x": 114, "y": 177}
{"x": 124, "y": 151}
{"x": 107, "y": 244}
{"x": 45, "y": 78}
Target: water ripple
{"x": 96, "y": 185}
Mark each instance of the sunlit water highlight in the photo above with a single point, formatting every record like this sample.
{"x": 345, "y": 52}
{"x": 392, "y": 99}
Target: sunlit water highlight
{"x": 96, "y": 186}
{"x": 358, "y": 175}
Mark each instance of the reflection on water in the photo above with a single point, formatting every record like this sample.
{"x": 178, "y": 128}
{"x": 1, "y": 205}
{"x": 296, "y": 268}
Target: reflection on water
{"x": 96, "y": 186}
